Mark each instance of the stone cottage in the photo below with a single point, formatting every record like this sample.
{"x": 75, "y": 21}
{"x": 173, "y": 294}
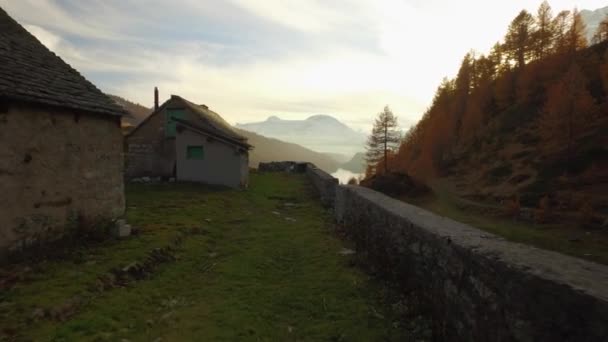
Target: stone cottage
{"x": 61, "y": 147}
{"x": 188, "y": 142}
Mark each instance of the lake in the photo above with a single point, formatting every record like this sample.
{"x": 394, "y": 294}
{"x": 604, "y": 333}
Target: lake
{"x": 344, "y": 175}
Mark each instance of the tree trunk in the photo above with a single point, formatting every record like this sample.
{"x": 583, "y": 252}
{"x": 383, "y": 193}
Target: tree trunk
{"x": 385, "y": 148}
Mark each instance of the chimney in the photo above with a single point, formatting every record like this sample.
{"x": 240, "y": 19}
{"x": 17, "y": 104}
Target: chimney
{"x": 155, "y": 99}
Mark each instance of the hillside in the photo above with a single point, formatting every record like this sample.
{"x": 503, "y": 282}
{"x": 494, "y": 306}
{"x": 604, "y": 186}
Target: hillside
{"x": 322, "y": 133}
{"x": 137, "y": 112}
{"x": 269, "y": 149}
{"x": 525, "y": 124}
{"x": 356, "y": 163}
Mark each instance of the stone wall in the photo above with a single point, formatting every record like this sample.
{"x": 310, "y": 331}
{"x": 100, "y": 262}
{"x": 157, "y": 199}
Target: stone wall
{"x": 148, "y": 152}
{"x": 55, "y": 165}
{"x": 324, "y": 183}
{"x": 480, "y": 286}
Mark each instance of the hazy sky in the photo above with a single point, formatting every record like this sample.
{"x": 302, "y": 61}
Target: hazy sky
{"x": 249, "y": 59}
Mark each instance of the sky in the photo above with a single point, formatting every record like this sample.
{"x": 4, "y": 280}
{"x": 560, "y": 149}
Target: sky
{"x": 250, "y": 59}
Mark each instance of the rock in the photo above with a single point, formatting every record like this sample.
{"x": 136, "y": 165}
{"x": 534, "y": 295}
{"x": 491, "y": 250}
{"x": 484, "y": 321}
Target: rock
{"x": 290, "y": 219}
{"x": 122, "y": 229}
{"x": 346, "y": 251}
{"x": 276, "y": 213}
{"x": 208, "y": 220}
{"x": 145, "y": 179}
{"x": 38, "y": 314}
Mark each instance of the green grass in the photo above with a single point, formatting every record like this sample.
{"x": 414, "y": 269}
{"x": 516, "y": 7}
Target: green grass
{"x": 242, "y": 273}
{"x": 575, "y": 241}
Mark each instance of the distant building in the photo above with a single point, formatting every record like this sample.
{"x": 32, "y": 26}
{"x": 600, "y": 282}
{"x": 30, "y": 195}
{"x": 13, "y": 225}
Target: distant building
{"x": 189, "y": 142}
{"x": 61, "y": 147}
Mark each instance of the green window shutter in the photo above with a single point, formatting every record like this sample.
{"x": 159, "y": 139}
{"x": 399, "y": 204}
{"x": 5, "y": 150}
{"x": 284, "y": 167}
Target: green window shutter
{"x": 195, "y": 152}
{"x": 170, "y": 124}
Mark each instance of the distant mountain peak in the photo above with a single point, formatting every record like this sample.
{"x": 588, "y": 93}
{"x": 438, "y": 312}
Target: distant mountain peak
{"x": 321, "y": 117}
{"x": 273, "y": 118}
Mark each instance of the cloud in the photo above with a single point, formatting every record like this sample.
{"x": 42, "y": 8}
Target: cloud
{"x": 249, "y": 59}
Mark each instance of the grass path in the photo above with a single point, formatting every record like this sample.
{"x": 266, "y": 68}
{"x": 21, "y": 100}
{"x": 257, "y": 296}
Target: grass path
{"x": 256, "y": 265}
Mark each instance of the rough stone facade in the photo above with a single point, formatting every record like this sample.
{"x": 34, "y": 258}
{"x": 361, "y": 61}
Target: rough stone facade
{"x": 480, "y": 286}
{"x": 56, "y": 164}
{"x": 148, "y": 152}
{"x": 324, "y": 183}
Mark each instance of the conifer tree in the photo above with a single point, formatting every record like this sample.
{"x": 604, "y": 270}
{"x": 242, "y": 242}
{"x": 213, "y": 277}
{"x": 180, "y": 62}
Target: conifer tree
{"x": 545, "y": 32}
{"x": 568, "y": 112}
{"x": 384, "y": 139}
{"x": 519, "y": 39}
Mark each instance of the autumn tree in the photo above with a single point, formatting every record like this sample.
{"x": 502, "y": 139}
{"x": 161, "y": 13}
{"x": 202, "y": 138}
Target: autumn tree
{"x": 568, "y": 112}
{"x": 561, "y": 26}
{"x": 545, "y": 32}
{"x": 384, "y": 139}
{"x": 519, "y": 42}
{"x": 601, "y": 34}
{"x": 576, "y": 38}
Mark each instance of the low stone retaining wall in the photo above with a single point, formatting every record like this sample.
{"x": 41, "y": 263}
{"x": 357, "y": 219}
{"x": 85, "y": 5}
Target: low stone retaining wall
{"x": 324, "y": 183}
{"x": 480, "y": 286}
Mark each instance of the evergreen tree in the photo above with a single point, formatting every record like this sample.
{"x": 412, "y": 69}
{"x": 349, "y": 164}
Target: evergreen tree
{"x": 519, "y": 40}
{"x": 568, "y": 112}
{"x": 384, "y": 139}
{"x": 545, "y": 32}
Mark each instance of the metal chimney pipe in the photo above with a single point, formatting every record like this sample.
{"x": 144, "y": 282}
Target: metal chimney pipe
{"x": 155, "y": 98}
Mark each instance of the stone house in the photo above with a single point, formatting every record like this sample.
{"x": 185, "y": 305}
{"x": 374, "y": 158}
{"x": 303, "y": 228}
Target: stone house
{"x": 188, "y": 142}
{"x": 61, "y": 147}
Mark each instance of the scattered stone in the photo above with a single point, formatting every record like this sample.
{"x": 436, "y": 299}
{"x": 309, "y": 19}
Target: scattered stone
{"x": 276, "y": 213}
{"x": 213, "y": 254}
{"x": 346, "y": 251}
{"x": 145, "y": 179}
{"x": 290, "y": 219}
{"x": 122, "y": 229}
{"x": 289, "y": 329}
{"x": 208, "y": 220}
{"x": 38, "y": 314}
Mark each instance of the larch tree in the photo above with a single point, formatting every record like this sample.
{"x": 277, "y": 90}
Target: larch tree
{"x": 545, "y": 31}
{"x": 601, "y": 33}
{"x": 384, "y": 139}
{"x": 561, "y": 26}
{"x": 577, "y": 34}
{"x": 568, "y": 112}
{"x": 519, "y": 41}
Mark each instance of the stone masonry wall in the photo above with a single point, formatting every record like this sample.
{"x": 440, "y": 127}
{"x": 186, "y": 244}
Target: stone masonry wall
{"x": 55, "y": 165}
{"x": 480, "y": 286}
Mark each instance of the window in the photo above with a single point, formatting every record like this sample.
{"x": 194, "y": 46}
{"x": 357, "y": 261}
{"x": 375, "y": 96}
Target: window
{"x": 195, "y": 152}
{"x": 170, "y": 124}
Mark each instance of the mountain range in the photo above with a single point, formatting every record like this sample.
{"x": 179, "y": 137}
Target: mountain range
{"x": 593, "y": 19}
{"x": 319, "y": 132}
{"x": 265, "y": 149}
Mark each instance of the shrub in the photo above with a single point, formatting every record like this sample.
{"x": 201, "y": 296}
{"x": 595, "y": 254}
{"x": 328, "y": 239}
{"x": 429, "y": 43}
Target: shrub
{"x": 352, "y": 181}
{"x": 585, "y": 214}
{"x": 512, "y": 207}
{"x": 396, "y": 184}
{"x": 543, "y": 213}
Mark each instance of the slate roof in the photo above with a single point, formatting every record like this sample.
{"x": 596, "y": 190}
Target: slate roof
{"x": 212, "y": 133}
{"x": 212, "y": 119}
{"x": 31, "y": 73}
